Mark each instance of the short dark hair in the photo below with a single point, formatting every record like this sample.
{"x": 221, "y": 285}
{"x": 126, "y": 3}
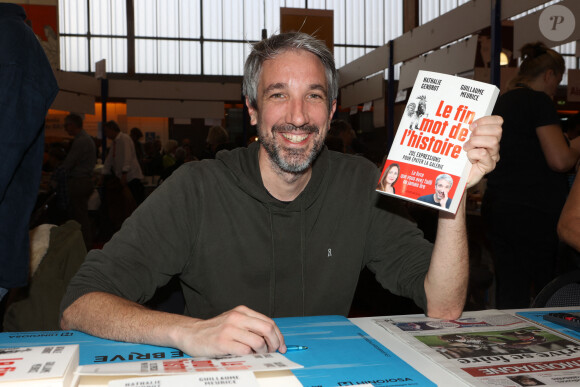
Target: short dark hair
{"x": 136, "y": 132}
{"x": 276, "y": 45}
{"x": 112, "y": 125}
{"x": 74, "y": 119}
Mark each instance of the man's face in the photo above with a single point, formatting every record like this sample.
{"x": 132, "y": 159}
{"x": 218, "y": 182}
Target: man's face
{"x": 292, "y": 114}
{"x": 69, "y": 128}
{"x": 442, "y": 189}
{"x": 110, "y": 133}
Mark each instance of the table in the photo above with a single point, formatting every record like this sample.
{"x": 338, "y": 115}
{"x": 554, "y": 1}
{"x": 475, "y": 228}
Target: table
{"x": 428, "y": 368}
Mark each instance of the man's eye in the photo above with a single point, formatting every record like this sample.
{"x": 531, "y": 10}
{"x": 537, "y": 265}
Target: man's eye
{"x": 277, "y": 95}
{"x": 316, "y": 96}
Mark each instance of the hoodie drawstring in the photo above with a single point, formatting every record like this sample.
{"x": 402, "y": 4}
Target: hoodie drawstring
{"x": 272, "y": 268}
{"x": 302, "y": 249}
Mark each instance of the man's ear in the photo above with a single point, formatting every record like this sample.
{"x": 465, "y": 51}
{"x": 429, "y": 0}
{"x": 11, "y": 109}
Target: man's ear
{"x": 332, "y": 110}
{"x": 253, "y": 112}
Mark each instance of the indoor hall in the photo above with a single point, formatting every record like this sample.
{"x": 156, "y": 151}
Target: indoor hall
{"x": 173, "y": 71}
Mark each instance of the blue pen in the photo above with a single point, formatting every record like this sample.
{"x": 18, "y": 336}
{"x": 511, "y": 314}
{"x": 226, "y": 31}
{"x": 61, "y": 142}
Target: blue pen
{"x": 295, "y": 348}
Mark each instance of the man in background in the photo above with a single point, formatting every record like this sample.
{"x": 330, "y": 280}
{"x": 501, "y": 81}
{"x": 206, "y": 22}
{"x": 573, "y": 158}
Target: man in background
{"x": 28, "y": 89}
{"x": 122, "y": 161}
{"x": 79, "y": 166}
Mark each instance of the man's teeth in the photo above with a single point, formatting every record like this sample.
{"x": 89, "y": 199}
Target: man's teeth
{"x": 294, "y": 137}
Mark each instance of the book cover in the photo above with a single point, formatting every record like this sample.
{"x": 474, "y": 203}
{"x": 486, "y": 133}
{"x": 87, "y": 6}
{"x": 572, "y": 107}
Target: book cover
{"x": 93, "y": 350}
{"x": 341, "y": 354}
{"x": 39, "y": 366}
{"x": 426, "y": 163}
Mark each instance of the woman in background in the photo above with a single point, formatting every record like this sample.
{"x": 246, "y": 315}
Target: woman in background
{"x": 527, "y": 190}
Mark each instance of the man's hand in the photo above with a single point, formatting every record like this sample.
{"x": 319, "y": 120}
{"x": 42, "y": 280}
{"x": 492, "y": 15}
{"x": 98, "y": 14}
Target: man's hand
{"x": 483, "y": 147}
{"x": 240, "y": 331}
{"x": 443, "y": 202}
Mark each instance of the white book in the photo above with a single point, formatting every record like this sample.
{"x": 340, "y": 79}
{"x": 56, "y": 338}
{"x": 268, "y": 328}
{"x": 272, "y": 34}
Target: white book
{"x": 44, "y": 366}
{"x": 271, "y": 369}
{"x": 426, "y": 163}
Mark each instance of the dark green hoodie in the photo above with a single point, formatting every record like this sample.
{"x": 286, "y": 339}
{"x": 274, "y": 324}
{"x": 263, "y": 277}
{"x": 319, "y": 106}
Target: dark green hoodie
{"x": 213, "y": 224}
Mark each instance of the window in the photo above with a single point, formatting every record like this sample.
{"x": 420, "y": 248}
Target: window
{"x": 205, "y": 37}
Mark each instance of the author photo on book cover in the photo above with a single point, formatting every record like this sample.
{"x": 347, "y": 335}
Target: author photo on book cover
{"x": 443, "y": 184}
{"x": 390, "y": 177}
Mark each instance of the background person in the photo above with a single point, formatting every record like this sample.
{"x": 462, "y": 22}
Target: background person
{"x": 217, "y": 139}
{"x": 136, "y": 135}
{"x": 28, "y": 89}
{"x": 122, "y": 161}
{"x": 343, "y": 130}
{"x": 78, "y": 167}
{"x": 310, "y": 217}
{"x": 569, "y": 221}
{"x": 526, "y": 192}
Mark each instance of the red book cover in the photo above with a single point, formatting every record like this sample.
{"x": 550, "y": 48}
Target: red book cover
{"x": 427, "y": 163}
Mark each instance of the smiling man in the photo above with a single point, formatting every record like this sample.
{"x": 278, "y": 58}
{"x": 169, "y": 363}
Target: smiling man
{"x": 443, "y": 184}
{"x": 281, "y": 228}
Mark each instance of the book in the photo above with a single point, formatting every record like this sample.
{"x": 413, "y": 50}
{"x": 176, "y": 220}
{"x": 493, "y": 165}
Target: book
{"x": 491, "y": 347}
{"x": 253, "y": 362}
{"x": 341, "y": 354}
{"x": 264, "y": 379}
{"x": 240, "y": 379}
{"x": 98, "y": 352}
{"x": 93, "y": 350}
{"x": 538, "y": 318}
{"x": 426, "y": 163}
{"x": 44, "y": 366}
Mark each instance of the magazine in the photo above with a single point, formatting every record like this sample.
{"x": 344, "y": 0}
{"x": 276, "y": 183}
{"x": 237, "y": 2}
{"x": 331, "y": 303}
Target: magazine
{"x": 426, "y": 163}
{"x": 538, "y": 318}
{"x": 491, "y": 348}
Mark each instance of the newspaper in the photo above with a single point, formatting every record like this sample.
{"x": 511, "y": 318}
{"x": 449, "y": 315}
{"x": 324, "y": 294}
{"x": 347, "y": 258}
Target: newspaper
{"x": 491, "y": 348}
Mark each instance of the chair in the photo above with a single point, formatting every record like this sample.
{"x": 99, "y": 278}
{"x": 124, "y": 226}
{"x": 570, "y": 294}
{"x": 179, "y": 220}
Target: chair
{"x": 562, "y": 291}
{"x": 38, "y": 309}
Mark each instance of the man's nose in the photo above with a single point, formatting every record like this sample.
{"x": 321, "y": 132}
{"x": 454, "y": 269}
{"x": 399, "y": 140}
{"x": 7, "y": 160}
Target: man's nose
{"x": 297, "y": 114}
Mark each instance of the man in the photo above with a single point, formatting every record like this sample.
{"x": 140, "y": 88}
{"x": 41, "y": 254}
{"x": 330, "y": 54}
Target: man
{"x": 28, "y": 89}
{"x": 122, "y": 161}
{"x": 312, "y": 223}
{"x": 443, "y": 184}
{"x": 79, "y": 166}
{"x": 136, "y": 135}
